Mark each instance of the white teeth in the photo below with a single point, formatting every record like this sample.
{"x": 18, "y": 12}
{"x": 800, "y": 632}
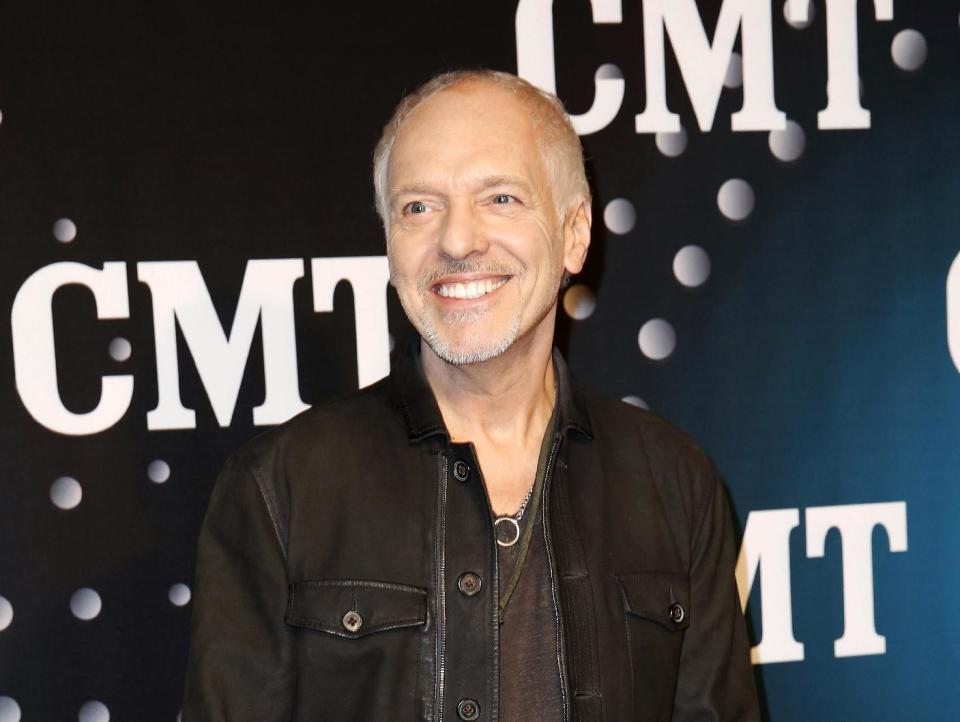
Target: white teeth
{"x": 471, "y": 289}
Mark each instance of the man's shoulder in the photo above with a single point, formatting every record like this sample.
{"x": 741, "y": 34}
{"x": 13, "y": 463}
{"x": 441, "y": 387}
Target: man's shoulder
{"x": 639, "y": 447}
{"x": 626, "y": 428}
{"x": 332, "y": 425}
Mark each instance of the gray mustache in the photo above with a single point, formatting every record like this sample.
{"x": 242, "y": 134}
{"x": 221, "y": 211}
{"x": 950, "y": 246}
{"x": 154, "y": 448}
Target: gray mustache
{"x": 465, "y": 266}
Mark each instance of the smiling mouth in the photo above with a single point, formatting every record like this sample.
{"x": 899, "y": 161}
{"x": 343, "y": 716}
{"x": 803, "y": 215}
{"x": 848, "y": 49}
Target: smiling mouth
{"x": 470, "y": 289}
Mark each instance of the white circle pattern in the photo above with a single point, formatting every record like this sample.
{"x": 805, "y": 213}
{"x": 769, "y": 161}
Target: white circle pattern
{"x": 579, "y": 302}
{"x": 787, "y": 144}
{"x": 64, "y": 230}
{"x": 619, "y": 216}
{"x": 657, "y": 339}
{"x": 93, "y": 711}
{"x": 691, "y": 266}
{"x": 735, "y": 199}
{"x": 66, "y": 493}
{"x": 179, "y": 595}
{"x": 85, "y": 604}
{"x": 6, "y": 613}
{"x": 158, "y": 471}
{"x": 9, "y": 710}
{"x": 120, "y": 349}
{"x": 909, "y": 50}
{"x": 671, "y": 144}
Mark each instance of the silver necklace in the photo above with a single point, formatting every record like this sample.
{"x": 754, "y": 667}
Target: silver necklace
{"x": 507, "y": 528}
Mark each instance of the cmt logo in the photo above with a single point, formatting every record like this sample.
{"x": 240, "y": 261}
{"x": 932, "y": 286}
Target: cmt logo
{"x": 180, "y": 298}
{"x": 703, "y": 63}
{"x": 766, "y": 549}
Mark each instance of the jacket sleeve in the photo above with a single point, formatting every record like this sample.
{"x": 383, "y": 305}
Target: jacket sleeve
{"x": 239, "y": 666}
{"x": 716, "y": 677}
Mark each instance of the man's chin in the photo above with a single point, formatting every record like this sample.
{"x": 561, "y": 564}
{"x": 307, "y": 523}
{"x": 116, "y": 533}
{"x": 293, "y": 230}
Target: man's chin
{"x": 465, "y": 353}
{"x": 460, "y": 356}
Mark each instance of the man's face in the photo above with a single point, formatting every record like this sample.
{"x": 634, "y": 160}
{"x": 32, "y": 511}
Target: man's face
{"x": 476, "y": 246}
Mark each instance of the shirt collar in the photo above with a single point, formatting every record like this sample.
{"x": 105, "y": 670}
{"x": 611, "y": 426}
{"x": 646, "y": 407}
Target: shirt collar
{"x": 416, "y": 402}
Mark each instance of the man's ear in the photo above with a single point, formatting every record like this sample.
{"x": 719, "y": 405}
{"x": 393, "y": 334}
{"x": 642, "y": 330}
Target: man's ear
{"x": 576, "y": 236}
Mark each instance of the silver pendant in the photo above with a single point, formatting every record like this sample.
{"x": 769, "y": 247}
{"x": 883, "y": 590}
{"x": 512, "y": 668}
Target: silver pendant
{"x": 508, "y": 535}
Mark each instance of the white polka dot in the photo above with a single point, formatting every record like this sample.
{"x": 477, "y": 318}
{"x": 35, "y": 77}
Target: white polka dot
{"x": 691, "y": 266}
{"x": 93, "y": 711}
{"x": 657, "y": 339}
{"x": 734, "y": 76}
{"x": 787, "y": 144}
{"x": 9, "y": 710}
{"x": 635, "y": 401}
{"x": 6, "y": 613}
{"x": 579, "y": 302}
{"x": 799, "y": 24}
{"x": 120, "y": 349}
{"x": 179, "y": 595}
{"x": 609, "y": 71}
{"x": 909, "y": 50}
{"x": 64, "y": 230}
{"x": 735, "y": 199}
{"x": 85, "y": 604}
{"x": 66, "y": 492}
{"x": 619, "y": 216}
{"x": 672, "y": 144}
{"x": 158, "y": 471}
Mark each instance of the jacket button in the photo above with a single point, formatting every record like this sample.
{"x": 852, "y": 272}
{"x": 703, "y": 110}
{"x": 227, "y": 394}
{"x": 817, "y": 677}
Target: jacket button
{"x": 676, "y": 613}
{"x": 352, "y": 621}
{"x": 461, "y": 470}
{"x": 469, "y": 583}
{"x": 468, "y": 709}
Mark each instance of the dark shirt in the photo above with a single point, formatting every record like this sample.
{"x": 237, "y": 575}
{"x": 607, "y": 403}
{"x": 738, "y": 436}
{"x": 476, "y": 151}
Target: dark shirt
{"x": 529, "y": 671}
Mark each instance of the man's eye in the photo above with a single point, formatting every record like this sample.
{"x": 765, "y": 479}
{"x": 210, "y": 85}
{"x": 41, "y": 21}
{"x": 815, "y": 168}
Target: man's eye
{"x": 417, "y": 207}
{"x": 503, "y": 198}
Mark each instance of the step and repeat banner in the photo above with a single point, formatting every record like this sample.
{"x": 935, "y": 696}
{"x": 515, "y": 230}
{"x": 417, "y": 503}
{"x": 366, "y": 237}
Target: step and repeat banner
{"x": 191, "y": 255}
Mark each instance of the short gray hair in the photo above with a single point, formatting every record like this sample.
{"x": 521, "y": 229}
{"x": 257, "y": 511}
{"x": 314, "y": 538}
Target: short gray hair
{"x": 559, "y": 144}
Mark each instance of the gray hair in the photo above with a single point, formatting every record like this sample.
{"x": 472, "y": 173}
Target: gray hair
{"x": 558, "y": 143}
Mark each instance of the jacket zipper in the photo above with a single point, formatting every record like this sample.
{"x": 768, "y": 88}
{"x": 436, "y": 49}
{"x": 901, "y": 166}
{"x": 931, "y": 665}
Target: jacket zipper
{"x": 554, "y": 592}
{"x": 441, "y": 584}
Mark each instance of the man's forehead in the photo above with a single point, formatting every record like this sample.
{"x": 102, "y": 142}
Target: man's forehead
{"x": 479, "y": 126}
{"x": 478, "y": 108}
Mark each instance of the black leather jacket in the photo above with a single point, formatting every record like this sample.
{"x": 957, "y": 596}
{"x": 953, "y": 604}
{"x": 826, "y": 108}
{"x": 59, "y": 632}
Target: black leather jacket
{"x": 328, "y": 567}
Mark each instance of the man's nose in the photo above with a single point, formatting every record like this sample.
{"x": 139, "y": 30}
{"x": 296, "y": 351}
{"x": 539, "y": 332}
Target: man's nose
{"x": 461, "y": 233}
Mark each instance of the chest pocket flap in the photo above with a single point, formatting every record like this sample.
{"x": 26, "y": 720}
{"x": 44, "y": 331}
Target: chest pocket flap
{"x": 353, "y": 608}
{"x": 660, "y": 597}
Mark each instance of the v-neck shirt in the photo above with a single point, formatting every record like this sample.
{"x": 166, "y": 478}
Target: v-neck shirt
{"x": 529, "y": 666}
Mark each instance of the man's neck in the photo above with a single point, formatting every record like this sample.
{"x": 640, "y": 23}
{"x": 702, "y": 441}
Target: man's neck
{"x": 506, "y": 401}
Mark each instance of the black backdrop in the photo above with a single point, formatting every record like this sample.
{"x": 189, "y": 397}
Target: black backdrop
{"x": 222, "y": 134}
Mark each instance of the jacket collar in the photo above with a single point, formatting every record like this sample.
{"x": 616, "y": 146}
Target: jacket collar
{"x": 416, "y": 402}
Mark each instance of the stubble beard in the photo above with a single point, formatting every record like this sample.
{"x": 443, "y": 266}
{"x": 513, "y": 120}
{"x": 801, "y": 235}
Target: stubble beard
{"x": 453, "y": 335}
{"x": 444, "y": 330}
{"x": 474, "y": 348}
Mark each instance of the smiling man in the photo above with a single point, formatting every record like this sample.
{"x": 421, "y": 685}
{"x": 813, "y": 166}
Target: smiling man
{"x": 476, "y": 537}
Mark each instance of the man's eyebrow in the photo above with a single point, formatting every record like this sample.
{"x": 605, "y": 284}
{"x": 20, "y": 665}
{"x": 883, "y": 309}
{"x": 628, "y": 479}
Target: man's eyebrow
{"x": 501, "y": 180}
{"x": 484, "y": 183}
{"x": 412, "y": 189}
